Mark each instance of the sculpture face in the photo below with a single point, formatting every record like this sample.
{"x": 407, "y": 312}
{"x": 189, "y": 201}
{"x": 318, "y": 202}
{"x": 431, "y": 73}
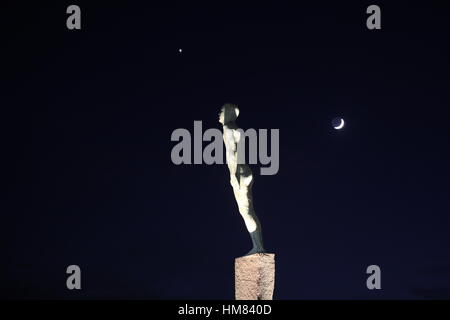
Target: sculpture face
{"x": 228, "y": 113}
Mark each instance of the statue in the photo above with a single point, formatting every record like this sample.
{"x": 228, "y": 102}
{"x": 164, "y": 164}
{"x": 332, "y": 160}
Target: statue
{"x": 241, "y": 177}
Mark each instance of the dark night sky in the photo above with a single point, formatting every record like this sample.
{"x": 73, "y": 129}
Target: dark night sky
{"x": 86, "y": 122}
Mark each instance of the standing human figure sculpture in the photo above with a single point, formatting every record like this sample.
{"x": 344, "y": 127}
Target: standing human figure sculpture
{"x": 241, "y": 177}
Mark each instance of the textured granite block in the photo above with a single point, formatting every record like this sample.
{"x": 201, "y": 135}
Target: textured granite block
{"x": 255, "y": 276}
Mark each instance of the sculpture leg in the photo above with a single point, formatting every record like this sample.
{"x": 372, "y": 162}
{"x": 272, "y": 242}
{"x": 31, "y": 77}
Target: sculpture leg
{"x": 257, "y": 243}
{"x": 242, "y": 188}
{"x": 254, "y": 228}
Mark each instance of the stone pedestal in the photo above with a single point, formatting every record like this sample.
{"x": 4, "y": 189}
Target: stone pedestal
{"x": 254, "y": 276}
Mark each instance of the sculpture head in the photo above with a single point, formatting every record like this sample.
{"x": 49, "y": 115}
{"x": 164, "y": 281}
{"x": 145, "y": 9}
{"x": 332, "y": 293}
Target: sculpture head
{"x": 228, "y": 113}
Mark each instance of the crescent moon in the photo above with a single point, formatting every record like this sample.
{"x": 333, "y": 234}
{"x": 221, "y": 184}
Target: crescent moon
{"x": 341, "y": 125}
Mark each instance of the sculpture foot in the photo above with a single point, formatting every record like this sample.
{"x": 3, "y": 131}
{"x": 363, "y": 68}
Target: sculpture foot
{"x": 255, "y": 250}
